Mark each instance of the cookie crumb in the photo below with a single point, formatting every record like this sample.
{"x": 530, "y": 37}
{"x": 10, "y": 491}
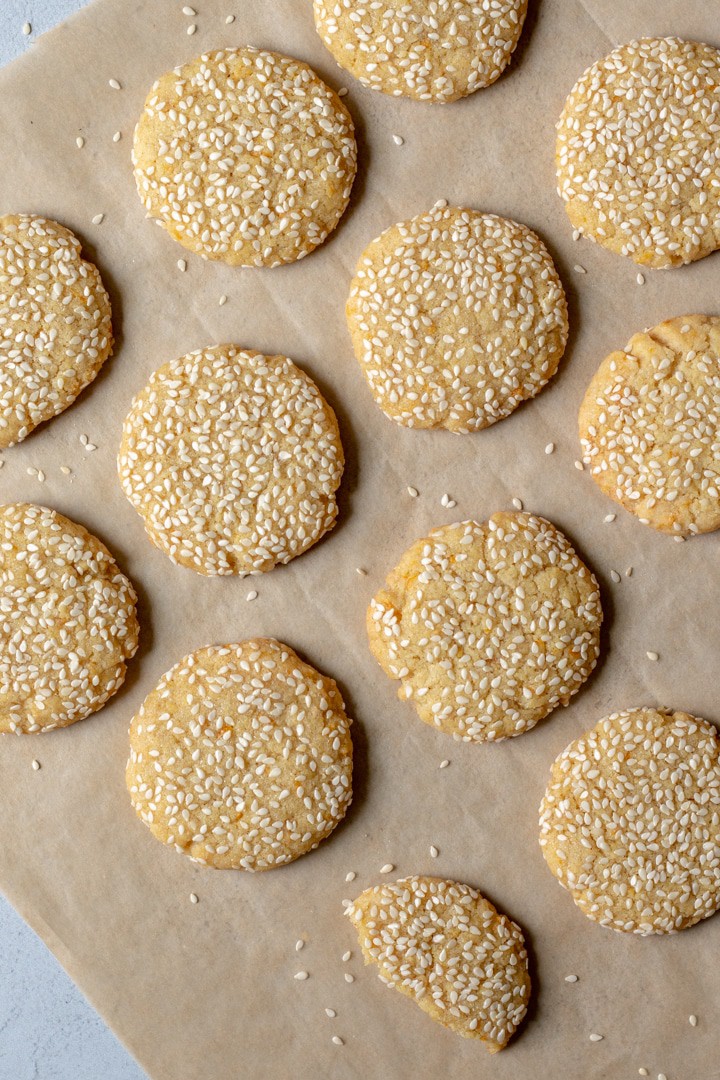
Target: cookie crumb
{"x": 550, "y": 448}
{"x": 398, "y": 140}
{"x": 36, "y": 766}
{"x": 387, "y": 868}
{"x": 652, "y": 656}
{"x": 301, "y": 976}
{"x": 193, "y": 898}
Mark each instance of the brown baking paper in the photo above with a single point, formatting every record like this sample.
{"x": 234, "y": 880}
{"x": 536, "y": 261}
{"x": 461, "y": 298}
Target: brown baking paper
{"x": 207, "y": 990}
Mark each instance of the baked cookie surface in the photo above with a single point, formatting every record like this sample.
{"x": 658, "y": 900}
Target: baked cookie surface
{"x": 488, "y": 627}
{"x": 68, "y": 621}
{"x": 241, "y": 757}
{"x": 445, "y": 946}
{"x": 55, "y": 323}
{"x": 650, "y": 425}
{"x": 431, "y": 52}
{"x": 232, "y": 459}
{"x": 245, "y": 156}
{"x": 630, "y": 821}
{"x": 638, "y": 158}
{"x": 456, "y": 317}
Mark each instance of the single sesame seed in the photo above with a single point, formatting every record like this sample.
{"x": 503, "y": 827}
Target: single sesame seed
{"x": 191, "y": 29}
{"x": 640, "y": 279}
{"x": 252, "y": 595}
{"x": 692, "y": 1020}
{"x": 36, "y": 766}
{"x": 361, "y": 571}
{"x": 413, "y": 492}
{"x": 31, "y": 470}
{"x": 643, "y": 1072}
{"x": 346, "y": 956}
{"x": 229, "y": 19}
{"x": 609, "y": 518}
{"x": 571, "y": 978}
{"x": 117, "y": 136}
{"x": 181, "y": 265}
{"x": 189, "y": 11}
{"x": 550, "y": 448}
{"x": 301, "y": 976}
{"x": 27, "y": 29}
{"x": 349, "y": 978}
{"x": 579, "y": 466}
{"x": 331, "y": 1013}
{"x": 517, "y": 503}
{"x": 90, "y": 446}
{"x": 114, "y": 84}
{"x": 387, "y": 868}
{"x": 652, "y": 656}
{"x": 193, "y": 898}
{"x": 398, "y": 140}
{"x": 679, "y": 539}
{"x": 222, "y": 300}
{"x": 444, "y": 764}
{"x": 579, "y": 269}
{"x": 433, "y": 852}
{"x": 299, "y": 944}
{"x": 576, "y": 234}
{"x": 98, "y": 219}
{"x": 41, "y": 476}
{"x": 65, "y": 470}
{"x": 79, "y": 142}
{"x": 342, "y": 91}
{"x": 629, "y": 571}
{"x": 595, "y": 1037}
{"x": 615, "y": 576}
{"x": 350, "y": 876}
{"x": 662, "y": 1076}
{"x": 337, "y": 1040}
{"x": 440, "y": 204}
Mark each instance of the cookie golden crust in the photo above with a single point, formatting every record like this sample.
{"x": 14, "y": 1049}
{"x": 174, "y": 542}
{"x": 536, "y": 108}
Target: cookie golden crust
{"x": 55, "y": 323}
{"x": 431, "y": 52}
{"x": 630, "y": 822}
{"x": 245, "y": 156}
{"x": 456, "y": 317}
{"x": 232, "y": 459}
{"x": 650, "y": 425}
{"x": 68, "y": 621}
{"x": 488, "y": 627}
{"x": 241, "y": 757}
{"x": 638, "y": 157}
{"x": 445, "y": 946}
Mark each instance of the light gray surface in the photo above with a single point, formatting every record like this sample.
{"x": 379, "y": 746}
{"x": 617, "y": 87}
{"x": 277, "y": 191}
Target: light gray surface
{"x": 48, "y": 1031}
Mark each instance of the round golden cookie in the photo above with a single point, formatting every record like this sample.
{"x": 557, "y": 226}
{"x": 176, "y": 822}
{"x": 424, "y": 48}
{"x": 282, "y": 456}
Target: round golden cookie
{"x": 241, "y": 757}
{"x": 650, "y": 425}
{"x": 245, "y": 156}
{"x": 445, "y": 946}
{"x": 55, "y": 323}
{"x": 431, "y": 52}
{"x": 232, "y": 459}
{"x": 638, "y": 163}
{"x": 68, "y": 622}
{"x": 630, "y": 822}
{"x": 488, "y": 627}
{"x": 456, "y": 317}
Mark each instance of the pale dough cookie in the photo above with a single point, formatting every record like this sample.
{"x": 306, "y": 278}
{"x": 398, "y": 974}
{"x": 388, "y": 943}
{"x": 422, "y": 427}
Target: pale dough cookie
{"x": 650, "y": 425}
{"x": 630, "y": 822}
{"x": 456, "y": 317}
{"x": 488, "y": 627}
{"x": 55, "y": 323}
{"x": 232, "y": 459}
{"x": 67, "y": 621}
{"x": 445, "y": 946}
{"x": 241, "y": 757}
{"x": 431, "y": 52}
{"x": 638, "y": 151}
{"x": 245, "y": 156}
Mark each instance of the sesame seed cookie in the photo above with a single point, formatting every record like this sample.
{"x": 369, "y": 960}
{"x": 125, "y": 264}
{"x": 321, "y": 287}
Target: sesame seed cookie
{"x": 241, "y": 757}
{"x": 650, "y": 425}
{"x": 488, "y": 627}
{"x": 232, "y": 459}
{"x": 630, "y": 822}
{"x": 445, "y": 946}
{"x": 456, "y": 317}
{"x": 431, "y": 52}
{"x": 638, "y": 151}
{"x": 245, "y": 156}
{"x": 68, "y": 621}
{"x": 55, "y": 323}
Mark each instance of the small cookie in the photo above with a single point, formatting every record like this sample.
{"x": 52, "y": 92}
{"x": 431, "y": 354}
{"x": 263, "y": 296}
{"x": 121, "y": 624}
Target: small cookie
{"x": 650, "y": 425}
{"x": 488, "y": 627}
{"x": 55, "y": 323}
{"x": 232, "y": 459}
{"x": 241, "y": 757}
{"x": 68, "y": 621}
{"x": 630, "y": 822}
{"x": 431, "y": 52}
{"x": 456, "y": 317}
{"x": 445, "y": 946}
{"x": 637, "y": 154}
{"x": 245, "y": 156}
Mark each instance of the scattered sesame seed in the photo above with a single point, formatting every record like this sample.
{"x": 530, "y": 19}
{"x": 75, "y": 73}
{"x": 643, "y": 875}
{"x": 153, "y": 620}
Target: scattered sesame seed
{"x": 222, "y": 300}
{"x": 36, "y": 766}
{"x": 301, "y": 976}
{"x": 27, "y": 29}
{"x": 337, "y": 1040}
{"x": 550, "y": 448}
{"x": 579, "y": 466}
{"x": 331, "y": 1013}
{"x": 444, "y": 764}
{"x": 342, "y": 92}
{"x": 387, "y": 868}
{"x": 629, "y": 571}
{"x": 349, "y": 978}
{"x": 41, "y": 476}
{"x": 252, "y": 595}
{"x": 615, "y": 576}
{"x": 571, "y": 978}
{"x": 193, "y": 898}
{"x": 643, "y": 1072}
{"x": 579, "y": 269}
{"x": 413, "y": 492}
{"x": 361, "y": 571}
{"x": 1, "y": 463}
{"x": 398, "y": 140}
{"x": 229, "y": 19}
{"x": 346, "y": 903}
{"x": 640, "y": 279}
{"x": 90, "y": 447}
{"x": 191, "y": 29}
{"x": 576, "y": 234}
{"x": 692, "y": 1020}
{"x": 189, "y": 11}
{"x": 346, "y": 956}
{"x": 79, "y": 142}
{"x": 31, "y": 470}
{"x": 440, "y": 204}
{"x": 679, "y": 539}
{"x": 181, "y": 265}
{"x": 114, "y": 84}
{"x": 652, "y": 656}
{"x": 609, "y": 518}
{"x": 83, "y": 440}
{"x": 117, "y": 136}
{"x": 65, "y": 470}
{"x": 433, "y": 852}
{"x": 299, "y": 944}
{"x": 517, "y": 503}
{"x": 350, "y": 876}
{"x": 662, "y": 1076}
{"x": 595, "y": 1037}
{"x": 98, "y": 219}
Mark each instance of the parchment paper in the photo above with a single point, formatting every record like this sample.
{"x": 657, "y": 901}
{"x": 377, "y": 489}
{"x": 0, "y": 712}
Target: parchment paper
{"x": 207, "y": 990}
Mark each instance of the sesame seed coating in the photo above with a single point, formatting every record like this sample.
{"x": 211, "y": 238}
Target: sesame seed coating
{"x": 232, "y": 459}
{"x": 445, "y": 946}
{"x": 55, "y": 323}
{"x": 67, "y": 621}
{"x": 650, "y": 425}
{"x": 437, "y": 51}
{"x": 630, "y": 822}
{"x": 488, "y": 627}
{"x": 638, "y": 151}
{"x": 245, "y": 156}
{"x": 241, "y": 757}
{"x": 456, "y": 317}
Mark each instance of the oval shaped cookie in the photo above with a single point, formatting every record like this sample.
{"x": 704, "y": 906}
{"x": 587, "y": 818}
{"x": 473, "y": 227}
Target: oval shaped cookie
{"x": 241, "y": 757}
{"x": 456, "y": 317}
{"x": 630, "y": 821}
{"x": 445, "y": 946}
{"x": 431, "y": 52}
{"x": 650, "y": 425}
{"x": 232, "y": 459}
{"x": 55, "y": 323}
{"x": 488, "y": 627}
{"x": 245, "y": 156}
{"x": 637, "y": 157}
{"x": 68, "y": 621}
